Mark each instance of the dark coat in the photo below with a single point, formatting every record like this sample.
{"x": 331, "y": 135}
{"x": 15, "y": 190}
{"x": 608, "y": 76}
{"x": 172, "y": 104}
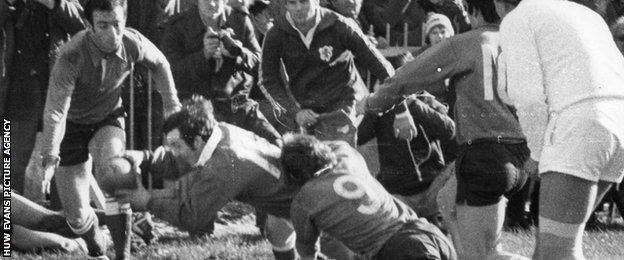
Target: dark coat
{"x": 183, "y": 44}
{"x": 398, "y": 169}
{"x": 33, "y": 35}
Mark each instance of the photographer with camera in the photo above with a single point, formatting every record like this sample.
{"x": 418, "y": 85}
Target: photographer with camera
{"x": 214, "y": 52}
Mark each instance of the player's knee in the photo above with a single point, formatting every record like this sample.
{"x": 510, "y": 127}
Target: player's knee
{"x": 280, "y": 233}
{"x": 83, "y": 221}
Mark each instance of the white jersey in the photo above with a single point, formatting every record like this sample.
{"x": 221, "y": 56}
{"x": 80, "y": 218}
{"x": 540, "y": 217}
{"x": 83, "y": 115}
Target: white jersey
{"x": 558, "y": 54}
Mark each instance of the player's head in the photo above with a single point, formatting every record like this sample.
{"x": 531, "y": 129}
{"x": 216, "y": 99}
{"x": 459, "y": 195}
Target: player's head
{"x": 480, "y": 11}
{"x": 303, "y": 156}
{"x": 188, "y": 130}
{"x": 302, "y": 11}
{"x": 107, "y": 20}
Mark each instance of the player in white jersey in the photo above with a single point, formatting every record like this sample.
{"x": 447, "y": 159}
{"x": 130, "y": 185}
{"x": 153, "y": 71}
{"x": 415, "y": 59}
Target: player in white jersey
{"x": 565, "y": 75}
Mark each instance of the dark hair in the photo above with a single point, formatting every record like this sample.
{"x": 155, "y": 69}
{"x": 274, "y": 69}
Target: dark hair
{"x": 304, "y": 155}
{"x": 257, "y": 7}
{"x": 103, "y": 5}
{"x": 486, "y": 7}
{"x": 196, "y": 118}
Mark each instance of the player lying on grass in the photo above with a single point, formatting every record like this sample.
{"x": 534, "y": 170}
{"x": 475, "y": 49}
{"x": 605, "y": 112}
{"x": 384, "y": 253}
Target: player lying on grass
{"x": 338, "y": 196}
{"x": 212, "y": 163}
{"x": 492, "y": 149}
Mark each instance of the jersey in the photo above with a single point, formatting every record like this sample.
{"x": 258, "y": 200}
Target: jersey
{"x": 470, "y": 60}
{"x": 347, "y": 203}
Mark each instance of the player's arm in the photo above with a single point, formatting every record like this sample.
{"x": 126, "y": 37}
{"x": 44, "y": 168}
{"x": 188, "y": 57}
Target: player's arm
{"x": 271, "y": 75}
{"x": 155, "y": 61}
{"x": 307, "y": 233}
{"x": 60, "y": 88}
{"x": 365, "y": 51}
{"x": 432, "y": 66}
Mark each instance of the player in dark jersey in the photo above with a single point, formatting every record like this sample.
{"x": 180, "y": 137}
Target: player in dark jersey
{"x": 340, "y": 198}
{"x": 492, "y": 149}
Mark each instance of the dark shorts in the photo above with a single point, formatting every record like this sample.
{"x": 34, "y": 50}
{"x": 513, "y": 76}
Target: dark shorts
{"x": 75, "y": 144}
{"x": 487, "y": 171}
{"x": 417, "y": 241}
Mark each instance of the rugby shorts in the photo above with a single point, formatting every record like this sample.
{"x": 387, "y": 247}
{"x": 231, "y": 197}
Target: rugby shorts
{"x": 586, "y": 141}
{"x": 75, "y": 145}
{"x": 488, "y": 170}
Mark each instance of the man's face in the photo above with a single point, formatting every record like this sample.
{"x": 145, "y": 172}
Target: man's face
{"x": 262, "y": 21}
{"x": 437, "y": 34}
{"x": 348, "y": 8}
{"x": 210, "y": 9}
{"x": 108, "y": 28}
{"x": 180, "y": 149}
{"x": 302, "y": 11}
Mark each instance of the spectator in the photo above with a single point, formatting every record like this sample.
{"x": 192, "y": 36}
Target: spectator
{"x": 409, "y": 167}
{"x": 214, "y": 52}
{"x": 413, "y": 13}
{"x": 261, "y": 18}
{"x": 337, "y": 196}
{"x": 33, "y": 34}
{"x": 617, "y": 29}
{"x": 84, "y": 116}
{"x": 317, "y": 48}
{"x": 437, "y": 28}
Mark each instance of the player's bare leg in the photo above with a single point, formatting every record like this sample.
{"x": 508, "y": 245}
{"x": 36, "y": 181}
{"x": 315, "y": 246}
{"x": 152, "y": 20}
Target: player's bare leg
{"x": 446, "y": 201}
{"x": 27, "y": 239}
{"x": 73, "y": 185}
{"x": 480, "y": 229}
{"x": 565, "y": 203}
{"x": 109, "y": 142}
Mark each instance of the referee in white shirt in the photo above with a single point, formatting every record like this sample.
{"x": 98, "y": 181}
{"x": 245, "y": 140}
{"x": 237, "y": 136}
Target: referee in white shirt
{"x": 565, "y": 76}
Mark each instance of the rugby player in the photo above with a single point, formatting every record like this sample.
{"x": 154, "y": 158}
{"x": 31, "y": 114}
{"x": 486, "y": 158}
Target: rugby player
{"x": 493, "y": 148}
{"x": 213, "y": 163}
{"x": 563, "y": 67}
{"x": 83, "y": 114}
{"x": 338, "y": 196}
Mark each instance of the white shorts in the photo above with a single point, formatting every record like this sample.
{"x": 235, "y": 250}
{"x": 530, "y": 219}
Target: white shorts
{"x": 586, "y": 141}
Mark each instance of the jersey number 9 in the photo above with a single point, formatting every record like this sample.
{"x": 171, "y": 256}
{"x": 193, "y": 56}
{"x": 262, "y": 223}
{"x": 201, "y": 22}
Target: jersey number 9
{"x": 352, "y": 188}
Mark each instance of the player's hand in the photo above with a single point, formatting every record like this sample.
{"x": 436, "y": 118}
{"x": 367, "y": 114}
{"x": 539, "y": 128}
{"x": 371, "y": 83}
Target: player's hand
{"x": 135, "y": 158}
{"x": 306, "y": 118}
{"x": 211, "y": 43}
{"x": 138, "y": 198}
{"x": 404, "y": 127}
{"x": 48, "y": 173}
{"x": 229, "y": 43}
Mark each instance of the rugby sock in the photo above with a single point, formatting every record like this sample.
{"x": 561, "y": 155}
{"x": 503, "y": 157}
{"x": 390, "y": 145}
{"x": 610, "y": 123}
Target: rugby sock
{"x": 89, "y": 231}
{"x": 119, "y": 222}
{"x": 565, "y": 238}
{"x": 285, "y": 255}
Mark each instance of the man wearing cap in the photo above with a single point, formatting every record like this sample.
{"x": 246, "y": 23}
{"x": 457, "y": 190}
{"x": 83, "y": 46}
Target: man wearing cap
{"x": 564, "y": 74}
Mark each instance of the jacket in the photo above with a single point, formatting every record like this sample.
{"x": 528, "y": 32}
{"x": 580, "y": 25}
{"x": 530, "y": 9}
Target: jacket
{"x": 183, "y": 44}
{"x": 33, "y": 35}
{"x": 324, "y": 77}
{"x": 434, "y": 127}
